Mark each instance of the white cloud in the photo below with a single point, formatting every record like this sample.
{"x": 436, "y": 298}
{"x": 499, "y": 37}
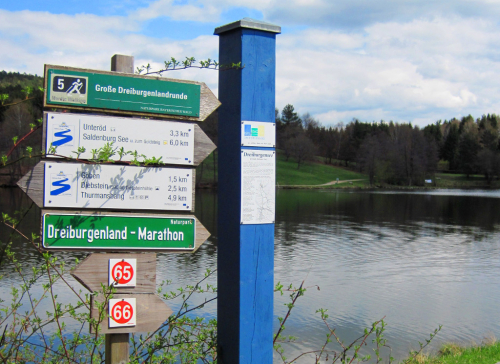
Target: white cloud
{"x": 31, "y": 39}
{"x": 415, "y": 70}
{"x": 358, "y": 14}
{"x": 186, "y": 12}
{"x": 333, "y": 117}
{"x": 364, "y": 59}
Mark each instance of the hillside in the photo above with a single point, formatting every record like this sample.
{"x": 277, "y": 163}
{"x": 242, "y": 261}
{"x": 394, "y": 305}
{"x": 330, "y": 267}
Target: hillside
{"x": 13, "y": 83}
{"x": 287, "y": 173}
{"x": 17, "y": 114}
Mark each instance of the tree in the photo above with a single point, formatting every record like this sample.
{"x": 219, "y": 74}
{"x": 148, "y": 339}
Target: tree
{"x": 368, "y": 156}
{"x": 468, "y": 147}
{"x": 301, "y": 148}
{"x": 338, "y": 135}
{"x": 489, "y": 163}
{"x": 433, "y": 132}
{"x": 488, "y": 132}
{"x": 449, "y": 151}
{"x": 288, "y": 125}
{"x": 308, "y": 122}
{"x": 289, "y": 117}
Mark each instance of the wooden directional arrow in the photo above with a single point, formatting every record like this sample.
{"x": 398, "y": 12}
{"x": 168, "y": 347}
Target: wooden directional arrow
{"x": 91, "y": 186}
{"x": 175, "y": 142}
{"x": 122, "y": 93}
{"x": 94, "y": 271}
{"x": 151, "y": 311}
{"x": 121, "y": 231}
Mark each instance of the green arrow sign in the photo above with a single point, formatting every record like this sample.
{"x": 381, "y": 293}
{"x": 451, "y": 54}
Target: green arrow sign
{"x": 73, "y": 87}
{"x": 115, "y": 232}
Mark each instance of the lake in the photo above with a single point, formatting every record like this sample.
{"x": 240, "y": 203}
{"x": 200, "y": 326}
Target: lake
{"x": 420, "y": 259}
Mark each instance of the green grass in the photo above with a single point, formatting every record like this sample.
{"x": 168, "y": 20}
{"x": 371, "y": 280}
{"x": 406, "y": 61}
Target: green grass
{"x": 313, "y": 173}
{"x": 310, "y": 173}
{"x": 456, "y": 354}
{"x": 317, "y": 173}
{"x": 447, "y": 180}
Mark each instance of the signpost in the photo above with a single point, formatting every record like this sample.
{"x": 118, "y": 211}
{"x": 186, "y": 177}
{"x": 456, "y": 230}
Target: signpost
{"x": 90, "y": 186}
{"x": 88, "y": 191}
{"x": 141, "y": 310}
{"x": 174, "y": 142}
{"x": 76, "y": 88}
{"x": 246, "y": 209}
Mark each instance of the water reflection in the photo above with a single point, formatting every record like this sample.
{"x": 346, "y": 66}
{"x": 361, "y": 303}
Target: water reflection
{"x": 420, "y": 259}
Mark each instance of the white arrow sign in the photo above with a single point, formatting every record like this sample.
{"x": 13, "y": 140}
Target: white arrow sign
{"x": 89, "y": 186}
{"x": 175, "y": 142}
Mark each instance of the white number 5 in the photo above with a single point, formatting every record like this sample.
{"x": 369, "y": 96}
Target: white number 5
{"x": 127, "y": 273}
{"x": 60, "y": 84}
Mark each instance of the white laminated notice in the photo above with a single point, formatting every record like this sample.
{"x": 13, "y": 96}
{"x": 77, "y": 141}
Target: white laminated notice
{"x": 258, "y": 186}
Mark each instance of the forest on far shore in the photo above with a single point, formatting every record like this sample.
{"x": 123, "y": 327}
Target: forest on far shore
{"x": 395, "y": 153}
{"x": 390, "y": 152}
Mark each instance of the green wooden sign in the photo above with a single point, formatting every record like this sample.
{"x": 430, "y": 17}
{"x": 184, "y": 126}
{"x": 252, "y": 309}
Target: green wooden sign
{"x": 116, "y": 232}
{"x": 78, "y": 88}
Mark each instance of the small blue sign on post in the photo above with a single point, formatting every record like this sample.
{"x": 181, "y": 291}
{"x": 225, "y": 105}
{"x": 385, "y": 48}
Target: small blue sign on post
{"x": 245, "y": 244}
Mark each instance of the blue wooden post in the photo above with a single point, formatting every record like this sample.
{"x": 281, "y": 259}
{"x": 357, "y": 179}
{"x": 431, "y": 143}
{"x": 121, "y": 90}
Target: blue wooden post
{"x": 245, "y": 252}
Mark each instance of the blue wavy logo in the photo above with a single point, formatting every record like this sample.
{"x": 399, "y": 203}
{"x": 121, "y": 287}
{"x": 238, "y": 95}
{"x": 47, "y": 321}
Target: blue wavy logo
{"x": 63, "y": 187}
{"x": 63, "y": 138}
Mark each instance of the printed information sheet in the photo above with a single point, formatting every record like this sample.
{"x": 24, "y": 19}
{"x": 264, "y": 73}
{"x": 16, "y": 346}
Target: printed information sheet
{"x": 258, "y": 186}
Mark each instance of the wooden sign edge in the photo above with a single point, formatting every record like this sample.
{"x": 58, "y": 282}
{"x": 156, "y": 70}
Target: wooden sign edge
{"x": 205, "y": 145}
{"x": 139, "y": 327}
{"x": 143, "y": 259}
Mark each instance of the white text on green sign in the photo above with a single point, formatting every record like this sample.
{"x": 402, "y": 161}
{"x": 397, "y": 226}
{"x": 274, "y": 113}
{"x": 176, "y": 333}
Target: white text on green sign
{"x": 116, "y": 91}
{"x": 94, "y": 232}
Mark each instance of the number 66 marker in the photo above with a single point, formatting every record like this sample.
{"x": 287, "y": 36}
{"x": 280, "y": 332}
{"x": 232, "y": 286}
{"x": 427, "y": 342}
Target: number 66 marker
{"x": 122, "y": 272}
{"x": 122, "y": 312}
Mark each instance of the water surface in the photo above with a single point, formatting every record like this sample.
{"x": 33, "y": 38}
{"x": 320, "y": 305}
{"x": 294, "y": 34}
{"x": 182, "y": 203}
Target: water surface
{"x": 419, "y": 259}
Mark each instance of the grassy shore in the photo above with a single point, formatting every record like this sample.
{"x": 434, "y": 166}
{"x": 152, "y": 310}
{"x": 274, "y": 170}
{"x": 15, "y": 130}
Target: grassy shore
{"x": 319, "y": 175}
{"x": 487, "y": 353}
{"x": 447, "y": 180}
{"x": 314, "y": 174}
{"x": 310, "y": 174}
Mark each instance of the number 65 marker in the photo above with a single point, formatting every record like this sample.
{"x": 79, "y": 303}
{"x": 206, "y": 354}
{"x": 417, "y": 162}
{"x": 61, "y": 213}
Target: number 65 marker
{"x": 122, "y": 272}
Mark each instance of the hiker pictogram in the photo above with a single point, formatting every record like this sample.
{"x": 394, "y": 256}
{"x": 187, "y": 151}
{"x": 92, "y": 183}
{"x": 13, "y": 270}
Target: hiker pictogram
{"x": 75, "y": 87}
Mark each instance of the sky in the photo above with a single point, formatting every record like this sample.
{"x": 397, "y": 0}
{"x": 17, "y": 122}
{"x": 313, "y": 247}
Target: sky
{"x": 416, "y": 61}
